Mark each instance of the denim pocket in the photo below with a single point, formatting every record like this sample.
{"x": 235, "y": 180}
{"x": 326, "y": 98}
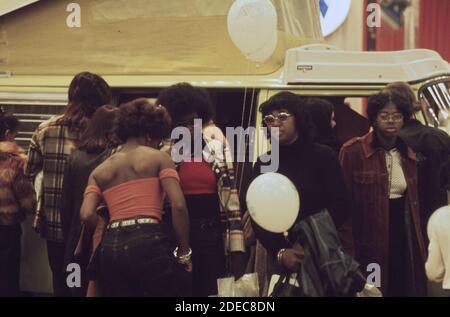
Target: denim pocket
{"x": 148, "y": 255}
{"x": 206, "y": 232}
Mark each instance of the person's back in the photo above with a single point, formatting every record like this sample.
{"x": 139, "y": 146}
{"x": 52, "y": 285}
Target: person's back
{"x": 50, "y": 146}
{"x": 80, "y": 164}
{"x": 130, "y": 182}
{"x": 92, "y": 148}
{"x": 433, "y": 147}
{"x": 422, "y": 138}
{"x": 124, "y": 166}
{"x": 134, "y": 256}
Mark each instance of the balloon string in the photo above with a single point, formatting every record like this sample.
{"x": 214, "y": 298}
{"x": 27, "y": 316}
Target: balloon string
{"x": 245, "y": 96}
{"x": 286, "y": 237}
{"x": 247, "y": 142}
{"x": 244, "y": 106}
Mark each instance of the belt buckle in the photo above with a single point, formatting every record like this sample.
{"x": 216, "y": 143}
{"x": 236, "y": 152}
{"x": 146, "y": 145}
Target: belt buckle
{"x": 127, "y": 223}
{"x": 142, "y": 220}
{"x": 146, "y": 220}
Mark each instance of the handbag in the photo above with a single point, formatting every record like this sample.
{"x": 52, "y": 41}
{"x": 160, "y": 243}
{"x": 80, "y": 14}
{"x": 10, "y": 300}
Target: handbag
{"x": 246, "y": 286}
{"x": 306, "y": 282}
{"x": 286, "y": 286}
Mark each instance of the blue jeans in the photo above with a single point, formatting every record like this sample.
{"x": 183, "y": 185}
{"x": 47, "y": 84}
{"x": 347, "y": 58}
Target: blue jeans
{"x": 137, "y": 261}
{"x": 208, "y": 255}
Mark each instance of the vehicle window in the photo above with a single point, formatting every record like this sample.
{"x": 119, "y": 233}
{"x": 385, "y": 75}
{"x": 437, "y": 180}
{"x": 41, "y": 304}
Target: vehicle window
{"x": 435, "y": 104}
{"x": 30, "y": 117}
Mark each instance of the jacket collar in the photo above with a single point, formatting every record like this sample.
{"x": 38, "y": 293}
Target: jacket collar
{"x": 367, "y": 142}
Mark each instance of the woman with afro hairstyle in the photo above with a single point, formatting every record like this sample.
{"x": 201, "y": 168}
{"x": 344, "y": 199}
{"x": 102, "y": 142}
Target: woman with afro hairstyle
{"x": 134, "y": 257}
{"x": 209, "y": 186}
{"x": 381, "y": 173}
{"x": 313, "y": 169}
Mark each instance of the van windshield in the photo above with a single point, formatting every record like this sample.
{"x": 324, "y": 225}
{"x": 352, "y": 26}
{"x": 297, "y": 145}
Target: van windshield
{"x": 435, "y": 103}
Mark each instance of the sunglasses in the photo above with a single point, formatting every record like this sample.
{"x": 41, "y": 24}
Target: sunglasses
{"x": 281, "y": 117}
{"x": 396, "y": 117}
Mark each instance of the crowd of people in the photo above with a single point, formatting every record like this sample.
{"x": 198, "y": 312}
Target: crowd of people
{"x": 105, "y": 192}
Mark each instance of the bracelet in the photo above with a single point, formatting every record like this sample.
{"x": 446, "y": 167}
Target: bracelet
{"x": 280, "y": 255}
{"x": 183, "y": 259}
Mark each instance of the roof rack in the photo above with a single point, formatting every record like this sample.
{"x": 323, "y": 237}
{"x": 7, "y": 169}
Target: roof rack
{"x": 328, "y": 64}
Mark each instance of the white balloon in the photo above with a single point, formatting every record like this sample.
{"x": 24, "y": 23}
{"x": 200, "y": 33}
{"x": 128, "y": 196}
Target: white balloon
{"x": 251, "y": 24}
{"x": 266, "y": 52}
{"x": 273, "y": 202}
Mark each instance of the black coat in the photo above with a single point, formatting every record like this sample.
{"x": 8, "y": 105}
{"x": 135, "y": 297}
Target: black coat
{"x": 317, "y": 175}
{"x": 433, "y": 150}
{"x": 79, "y": 166}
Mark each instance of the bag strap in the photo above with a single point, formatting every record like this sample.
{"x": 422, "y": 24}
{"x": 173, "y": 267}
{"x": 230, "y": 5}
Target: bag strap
{"x": 285, "y": 277}
{"x": 279, "y": 284}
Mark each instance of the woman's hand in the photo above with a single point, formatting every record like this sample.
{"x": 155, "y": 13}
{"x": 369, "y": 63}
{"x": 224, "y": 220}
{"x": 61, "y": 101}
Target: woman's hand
{"x": 184, "y": 257}
{"x": 292, "y": 258}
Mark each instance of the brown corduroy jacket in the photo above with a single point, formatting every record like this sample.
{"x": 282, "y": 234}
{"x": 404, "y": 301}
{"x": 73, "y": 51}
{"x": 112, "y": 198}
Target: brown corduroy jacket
{"x": 366, "y": 175}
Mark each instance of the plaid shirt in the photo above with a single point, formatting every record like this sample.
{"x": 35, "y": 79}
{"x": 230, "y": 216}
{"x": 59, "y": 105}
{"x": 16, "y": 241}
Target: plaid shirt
{"x": 50, "y": 146}
{"x": 217, "y": 152}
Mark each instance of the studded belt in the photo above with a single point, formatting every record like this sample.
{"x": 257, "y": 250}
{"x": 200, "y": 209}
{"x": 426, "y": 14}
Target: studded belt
{"x": 131, "y": 222}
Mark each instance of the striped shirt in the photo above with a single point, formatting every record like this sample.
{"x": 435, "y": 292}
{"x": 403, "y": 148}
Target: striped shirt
{"x": 50, "y": 146}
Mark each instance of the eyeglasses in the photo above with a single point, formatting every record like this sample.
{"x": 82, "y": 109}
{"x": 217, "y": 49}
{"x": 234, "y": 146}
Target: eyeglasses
{"x": 281, "y": 117}
{"x": 396, "y": 117}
